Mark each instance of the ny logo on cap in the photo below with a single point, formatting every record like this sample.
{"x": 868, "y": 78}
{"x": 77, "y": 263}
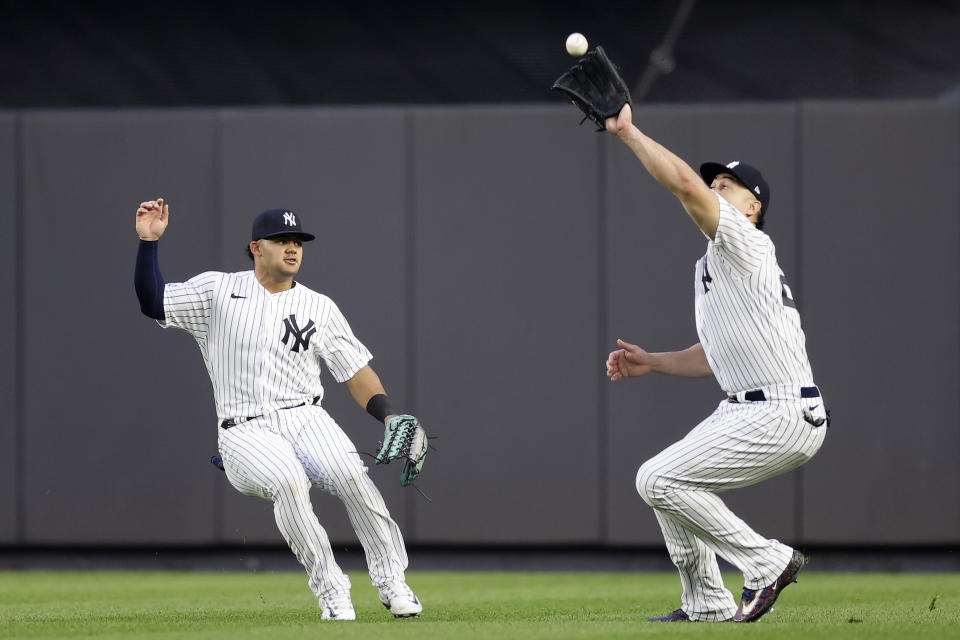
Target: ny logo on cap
{"x": 757, "y": 189}
{"x": 289, "y": 218}
{"x": 733, "y": 164}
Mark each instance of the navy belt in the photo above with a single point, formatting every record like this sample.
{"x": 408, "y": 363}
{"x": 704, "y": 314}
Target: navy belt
{"x": 232, "y": 422}
{"x": 758, "y": 396}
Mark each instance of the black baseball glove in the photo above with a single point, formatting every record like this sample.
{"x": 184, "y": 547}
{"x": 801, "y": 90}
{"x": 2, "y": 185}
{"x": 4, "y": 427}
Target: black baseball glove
{"x": 595, "y": 86}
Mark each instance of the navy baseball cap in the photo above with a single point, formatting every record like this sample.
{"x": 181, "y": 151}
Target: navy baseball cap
{"x": 749, "y": 176}
{"x": 279, "y": 222}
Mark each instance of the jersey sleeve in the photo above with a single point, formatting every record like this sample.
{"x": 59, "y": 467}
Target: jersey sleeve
{"x": 738, "y": 241}
{"x": 342, "y": 352}
{"x": 187, "y": 305}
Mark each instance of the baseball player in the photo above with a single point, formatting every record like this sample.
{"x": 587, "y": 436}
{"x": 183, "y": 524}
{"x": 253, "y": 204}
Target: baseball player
{"x": 773, "y": 418}
{"x": 262, "y": 335}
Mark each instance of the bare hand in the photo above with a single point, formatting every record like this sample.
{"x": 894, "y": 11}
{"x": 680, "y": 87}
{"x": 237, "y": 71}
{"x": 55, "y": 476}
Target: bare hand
{"x": 621, "y": 123}
{"x": 629, "y": 361}
{"x": 152, "y": 219}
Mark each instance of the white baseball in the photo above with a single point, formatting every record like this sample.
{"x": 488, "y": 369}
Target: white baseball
{"x": 576, "y": 44}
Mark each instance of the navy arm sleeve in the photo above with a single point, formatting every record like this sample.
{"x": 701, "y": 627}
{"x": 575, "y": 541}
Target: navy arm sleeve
{"x": 148, "y": 282}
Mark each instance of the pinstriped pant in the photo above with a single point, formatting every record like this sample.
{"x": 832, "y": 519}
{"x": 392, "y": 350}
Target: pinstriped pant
{"x": 739, "y": 444}
{"x": 279, "y": 457}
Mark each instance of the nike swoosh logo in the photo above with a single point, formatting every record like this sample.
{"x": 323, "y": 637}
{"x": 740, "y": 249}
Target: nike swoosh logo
{"x": 233, "y": 295}
{"x": 748, "y": 609}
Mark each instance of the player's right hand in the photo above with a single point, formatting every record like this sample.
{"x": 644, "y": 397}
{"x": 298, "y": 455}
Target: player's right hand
{"x": 629, "y": 361}
{"x": 152, "y": 219}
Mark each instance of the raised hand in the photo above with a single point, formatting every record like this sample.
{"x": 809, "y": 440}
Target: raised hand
{"x": 629, "y": 361}
{"x": 152, "y": 219}
{"x": 621, "y": 122}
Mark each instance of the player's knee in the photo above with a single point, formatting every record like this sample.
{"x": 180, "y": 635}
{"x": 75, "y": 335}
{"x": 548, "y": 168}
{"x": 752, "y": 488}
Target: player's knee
{"x": 650, "y": 484}
{"x": 290, "y": 483}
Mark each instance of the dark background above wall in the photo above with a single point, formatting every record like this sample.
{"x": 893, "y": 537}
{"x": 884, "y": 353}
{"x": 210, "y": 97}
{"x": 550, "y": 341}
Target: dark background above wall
{"x": 104, "y": 54}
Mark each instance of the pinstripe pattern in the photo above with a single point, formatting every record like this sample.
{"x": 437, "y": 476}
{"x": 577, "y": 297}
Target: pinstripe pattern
{"x": 751, "y": 337}
{"x": 738, "y": 445}
{"x": 749, "y": 327}
{"x": 252, "y": 370}
{"x": 331, "y": 462}
{"x": 704, "y": 596}
{"x": 262, "y": 463}
{"x": 263, "y": 353}
{"x": 279, "y": 457}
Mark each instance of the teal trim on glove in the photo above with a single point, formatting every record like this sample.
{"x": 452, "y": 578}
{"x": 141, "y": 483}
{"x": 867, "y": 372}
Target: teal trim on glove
{"x": 404, "y": 438}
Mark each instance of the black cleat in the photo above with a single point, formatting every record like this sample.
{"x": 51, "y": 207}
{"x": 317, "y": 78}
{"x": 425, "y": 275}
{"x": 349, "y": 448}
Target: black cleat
{"x": 756, "y": 602}
{"x": 676, "y": 616}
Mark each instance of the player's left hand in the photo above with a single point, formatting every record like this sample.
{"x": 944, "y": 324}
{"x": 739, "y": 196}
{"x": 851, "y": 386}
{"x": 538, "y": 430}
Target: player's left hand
{"x": 620, "y": 123}
{"x": 404, "y": 438}
{"x": 594, "y": 86}
{"x": 629, "y": 361}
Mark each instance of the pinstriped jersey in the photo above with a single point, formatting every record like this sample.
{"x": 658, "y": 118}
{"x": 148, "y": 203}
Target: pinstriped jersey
{"x": 747, "y": 319}
{"x": 262, "y": 349}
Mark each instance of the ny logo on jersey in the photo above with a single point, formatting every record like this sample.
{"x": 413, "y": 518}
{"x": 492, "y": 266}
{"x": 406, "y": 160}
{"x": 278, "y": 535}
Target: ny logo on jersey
{"x": 289, "y": 219}
{"x": 705, "y": 278}
{"x": 301, "y": 337}
{"x": 788, "y": 300}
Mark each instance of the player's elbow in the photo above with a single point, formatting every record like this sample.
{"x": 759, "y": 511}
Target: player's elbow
{"x": 152, "y": 307}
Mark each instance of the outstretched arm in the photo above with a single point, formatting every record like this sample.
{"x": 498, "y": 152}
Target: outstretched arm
{"x": 630, "y": 361}
{"x": 147, "y": 280}
{"x": 670, "y": 171}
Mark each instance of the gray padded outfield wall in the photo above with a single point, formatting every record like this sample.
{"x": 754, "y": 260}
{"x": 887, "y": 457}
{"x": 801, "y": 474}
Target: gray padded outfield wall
{"x": 11, "y": 431}
{"x": 489, "y": 257}
{"x": 880, "y": 257}
{"x": 506, "y": 324}
{"x": 118, "y": 412}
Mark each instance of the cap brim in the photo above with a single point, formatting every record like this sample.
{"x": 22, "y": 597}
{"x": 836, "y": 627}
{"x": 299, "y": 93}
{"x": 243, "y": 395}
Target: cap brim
{"x": 306, "y": 237}
{"x": 710, "y": 170}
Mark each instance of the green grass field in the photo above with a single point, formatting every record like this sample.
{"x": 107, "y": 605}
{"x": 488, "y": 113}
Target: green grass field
{"x": 460, "y": 605}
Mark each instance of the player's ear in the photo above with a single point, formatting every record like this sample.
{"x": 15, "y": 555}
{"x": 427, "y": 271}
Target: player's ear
{"x": 255, "y": 248}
